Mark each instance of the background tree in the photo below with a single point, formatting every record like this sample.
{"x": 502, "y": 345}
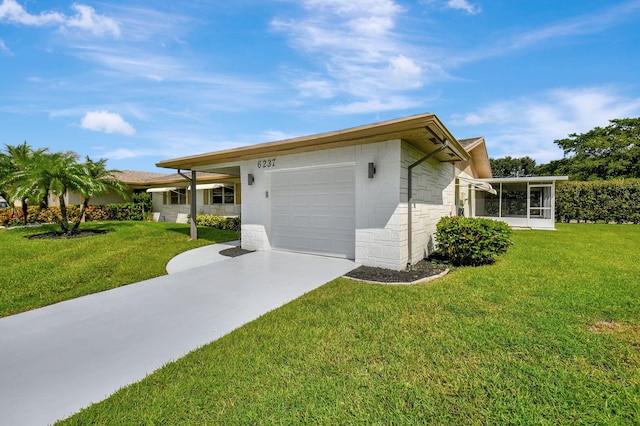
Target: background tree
{"x": 13, "y": 163}
{"x": 98, "y": 181}
{"x": 513, "y": 167}
{"x": 603, "y": 152}
{"x": 54, "y": 174}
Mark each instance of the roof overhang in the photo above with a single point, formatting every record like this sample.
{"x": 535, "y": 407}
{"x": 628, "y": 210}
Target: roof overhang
{"x": 166, "y": 189}
{"x": 480, "y": 185}
{"x": 530, "y": 179}
{"x": 425, "y": 132}
{"x": 207, "y": 186}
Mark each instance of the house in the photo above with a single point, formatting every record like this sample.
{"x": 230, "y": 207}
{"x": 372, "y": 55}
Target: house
{"x": 217, "y": 194}
{"x": 136, "y": 182}
{"x": 346, "y": 193}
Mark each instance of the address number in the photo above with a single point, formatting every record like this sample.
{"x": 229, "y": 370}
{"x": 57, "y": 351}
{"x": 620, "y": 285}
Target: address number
{"x": 265, "y": 164}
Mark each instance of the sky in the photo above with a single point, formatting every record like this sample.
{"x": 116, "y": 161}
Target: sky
{"x": 142, "y": 81}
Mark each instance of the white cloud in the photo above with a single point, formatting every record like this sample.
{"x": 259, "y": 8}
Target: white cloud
{"x": 276, "y": 135}
{"x": 315, "y": 88}
{"x": 528, "y": 126}
{"x": 391, "y": 103}
{"x": 463, "y": 5}
{"x": 124, "y": 153}
{"x": 577, "y": 26}
{"x": 4, "y": 48}
{"x": 85, "y": 18}
{"x": 11, "y": 11}
{"x": 107, "y": 122}
{"x": 359, "y": 53}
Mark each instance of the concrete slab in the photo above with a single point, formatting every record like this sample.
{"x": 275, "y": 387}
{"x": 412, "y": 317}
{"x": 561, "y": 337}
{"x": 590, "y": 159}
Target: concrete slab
{"x": 61, "y": 358}
{"x": 199, "y": 257}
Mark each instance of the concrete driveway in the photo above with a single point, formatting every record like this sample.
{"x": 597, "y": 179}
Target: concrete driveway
{"x": 61, "y": 358}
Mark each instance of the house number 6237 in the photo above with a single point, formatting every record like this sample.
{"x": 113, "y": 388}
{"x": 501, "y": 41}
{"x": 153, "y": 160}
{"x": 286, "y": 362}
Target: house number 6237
{"x": 265, "y": 164}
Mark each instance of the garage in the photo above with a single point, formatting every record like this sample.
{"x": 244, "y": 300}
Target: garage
{"x": 313, "y": 210}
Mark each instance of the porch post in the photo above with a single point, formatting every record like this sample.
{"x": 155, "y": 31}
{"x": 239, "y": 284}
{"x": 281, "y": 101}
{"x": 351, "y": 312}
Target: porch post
{"x": 194, "y": 228}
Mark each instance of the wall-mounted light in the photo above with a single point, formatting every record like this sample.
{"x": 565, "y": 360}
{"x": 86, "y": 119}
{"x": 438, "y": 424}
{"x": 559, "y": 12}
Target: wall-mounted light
{"x": 250, "y": 179}
{"x": 372, "y": 170}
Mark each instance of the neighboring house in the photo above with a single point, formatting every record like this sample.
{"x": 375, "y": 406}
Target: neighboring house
{"x": 345, "y": 193}
{"x": 171, "y": 194}
{"x": 527, "y": 202}
{"x": 216, "y": 193}
{"x": 136, "y": 182}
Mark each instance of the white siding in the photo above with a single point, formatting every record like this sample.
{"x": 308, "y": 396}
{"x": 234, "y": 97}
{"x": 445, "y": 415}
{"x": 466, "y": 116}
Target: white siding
{"x": 380, "y": 203}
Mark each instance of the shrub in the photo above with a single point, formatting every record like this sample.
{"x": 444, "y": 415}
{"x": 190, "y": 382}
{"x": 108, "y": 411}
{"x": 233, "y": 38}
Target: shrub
{"x": 120, "y": 211}
{"x": 599, "y": 201}
{"x": 471, "y": 241}
{"x": 231, "y": 223}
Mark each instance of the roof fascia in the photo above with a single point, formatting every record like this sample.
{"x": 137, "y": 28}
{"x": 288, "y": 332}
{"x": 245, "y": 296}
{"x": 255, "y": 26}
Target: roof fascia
{"x": 411, "y": 129}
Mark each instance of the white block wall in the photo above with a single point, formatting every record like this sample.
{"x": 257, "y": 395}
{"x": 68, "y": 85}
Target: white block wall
{"x": 381, "y": 203}
{"x": 433, "y": 197}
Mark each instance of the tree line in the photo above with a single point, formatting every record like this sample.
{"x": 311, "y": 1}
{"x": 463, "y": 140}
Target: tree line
{"x": 603, "y": 153}
{"x": 31, "y": 176}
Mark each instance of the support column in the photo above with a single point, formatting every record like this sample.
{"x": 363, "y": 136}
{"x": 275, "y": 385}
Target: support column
{"x": 194, "y": 228}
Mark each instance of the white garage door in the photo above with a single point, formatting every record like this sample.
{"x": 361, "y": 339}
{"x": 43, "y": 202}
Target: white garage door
{"x": 313, "y": 211}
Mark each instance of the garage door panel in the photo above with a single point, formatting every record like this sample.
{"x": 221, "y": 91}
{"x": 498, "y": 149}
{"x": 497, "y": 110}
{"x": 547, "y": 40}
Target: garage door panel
{"x": 314, "y": 210}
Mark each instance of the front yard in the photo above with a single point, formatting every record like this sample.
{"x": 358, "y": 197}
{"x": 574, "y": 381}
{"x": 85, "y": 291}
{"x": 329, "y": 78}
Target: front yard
{"x": 550, "y": 334}
{"x": 36, "y": 273}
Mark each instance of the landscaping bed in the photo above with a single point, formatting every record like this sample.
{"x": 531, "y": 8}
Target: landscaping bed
{"x": 420, "y": 271}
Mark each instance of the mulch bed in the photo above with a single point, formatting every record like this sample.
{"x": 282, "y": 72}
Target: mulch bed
{"x": 60, "y": 235}
{"x": 421, "y": 270}
{"x": 235, "y": 251}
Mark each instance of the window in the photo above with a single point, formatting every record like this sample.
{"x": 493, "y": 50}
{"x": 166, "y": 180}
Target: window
{"x": 223, "y": 195}
{"x": 178, "y": 196}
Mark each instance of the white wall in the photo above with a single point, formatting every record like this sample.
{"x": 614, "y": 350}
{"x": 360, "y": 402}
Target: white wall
{"x": 381, "y": 203}
{"x": 433, "y": 197}
{"x": 169, "y": 212}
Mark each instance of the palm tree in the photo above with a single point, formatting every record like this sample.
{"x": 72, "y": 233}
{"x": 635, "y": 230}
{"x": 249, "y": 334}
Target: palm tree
{"x": 13, "y": 165}
{"x": 98, "y": 181}
{"x": 52, "y": 174}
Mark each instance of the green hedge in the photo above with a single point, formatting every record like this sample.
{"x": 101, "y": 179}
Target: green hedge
{"x": 231, "y": 223}
{"x": 466, "y": 241}
{"x": 609, "y": 201}
{"x": 122, "y": 211}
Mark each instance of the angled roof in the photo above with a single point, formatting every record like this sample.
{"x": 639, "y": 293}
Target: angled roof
{"x": 150, "y": 179}
{"x": 480, "y": 164}
{"x": 201, "y": 177}
{"x": 133, "y": 177}
{"x": 425, "y": 131}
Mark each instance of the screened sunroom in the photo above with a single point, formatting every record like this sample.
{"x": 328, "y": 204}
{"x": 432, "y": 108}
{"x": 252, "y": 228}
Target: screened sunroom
{"x": 527, "y": 202}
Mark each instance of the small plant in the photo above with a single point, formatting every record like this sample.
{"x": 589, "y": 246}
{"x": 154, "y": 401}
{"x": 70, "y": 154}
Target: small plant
{"x": 471, "y": 241}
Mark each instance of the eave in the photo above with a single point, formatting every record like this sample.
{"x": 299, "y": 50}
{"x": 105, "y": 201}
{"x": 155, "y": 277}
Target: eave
{"x": 410, "y": 129}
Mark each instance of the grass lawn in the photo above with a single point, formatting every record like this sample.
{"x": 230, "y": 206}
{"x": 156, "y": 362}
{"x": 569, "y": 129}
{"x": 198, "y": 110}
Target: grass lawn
{"x": 550, "y": 334}
{"x": 35, "y": 273}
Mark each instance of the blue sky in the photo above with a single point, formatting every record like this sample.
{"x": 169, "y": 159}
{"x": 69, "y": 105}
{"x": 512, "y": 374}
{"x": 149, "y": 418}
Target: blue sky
{"x": 139, "y": 81}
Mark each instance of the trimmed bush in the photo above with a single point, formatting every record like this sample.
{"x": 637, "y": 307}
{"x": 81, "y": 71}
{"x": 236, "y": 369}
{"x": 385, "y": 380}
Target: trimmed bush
{"x": 230, "y": 223}
{"x": 118, "y": 212}
{"x": 468, "y": 241}
{"x": 609, "y": 201}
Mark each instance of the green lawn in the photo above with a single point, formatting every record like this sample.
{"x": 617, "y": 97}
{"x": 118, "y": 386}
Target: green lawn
{"x": 550, "y": 334}
{"x": 35, "y": 273}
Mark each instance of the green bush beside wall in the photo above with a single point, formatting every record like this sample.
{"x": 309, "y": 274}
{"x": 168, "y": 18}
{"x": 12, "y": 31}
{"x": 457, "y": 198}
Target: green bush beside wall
{"x": 469, "y": 241}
